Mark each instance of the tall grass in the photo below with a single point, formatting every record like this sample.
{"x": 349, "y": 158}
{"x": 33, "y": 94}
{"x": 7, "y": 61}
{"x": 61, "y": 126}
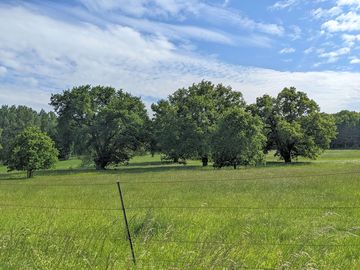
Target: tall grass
{"x": 275, "y": 216}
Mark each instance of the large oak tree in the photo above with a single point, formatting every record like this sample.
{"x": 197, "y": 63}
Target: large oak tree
{"x": 294, "y": 125}
{"x": 110, "y": 121}
{"x": 185, "y": 122}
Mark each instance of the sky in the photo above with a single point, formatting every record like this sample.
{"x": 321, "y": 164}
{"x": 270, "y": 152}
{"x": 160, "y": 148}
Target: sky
{"x": 151, "y": 48}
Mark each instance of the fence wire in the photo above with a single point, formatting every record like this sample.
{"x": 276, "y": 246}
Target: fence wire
{"x": 183, "y": 207}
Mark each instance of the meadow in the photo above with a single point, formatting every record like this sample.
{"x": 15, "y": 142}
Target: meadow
{"x": 304, "y": 215}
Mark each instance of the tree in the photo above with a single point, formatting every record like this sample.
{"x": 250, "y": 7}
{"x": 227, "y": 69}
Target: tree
{"x": 169, "y": 132}
{"x": 32, "y": 150}
{"x": 294, "y": 125}
{"x": 185, "y": 122}
{"x": 110, "y": 122}
{"x": 348, "y": 126}
{"x": 238, "y": 139}
{"x": 13, "y": 120}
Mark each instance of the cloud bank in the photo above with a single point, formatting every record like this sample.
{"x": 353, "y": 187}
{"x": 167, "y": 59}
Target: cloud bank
{"x": 40, "y": 55}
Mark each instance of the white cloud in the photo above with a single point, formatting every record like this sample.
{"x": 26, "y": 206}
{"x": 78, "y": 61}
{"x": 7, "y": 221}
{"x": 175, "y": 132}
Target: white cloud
{"x": 355, "y": 60}
{"x": 24, "y": 95}
{"x": 225, "y": 3}
{"x": 181, "y": 32}
{"x": 309, "y": 50}
{"x": 295, "y": 33}
{"x": 2, "y": 71}
{"x": 355, "y": 3}
{"x": 178, "y": 9}
{"x": 333, "y": 56}
{"x": 141, "y": 8}
{"x": 52, "y": 55}
{"x": 345, "y": 22}
{"x": 351, "y": 40}
{"x": 216, "y": 14}
{"x": 284, "y": 4}
{"x": 287, "y": 51}
{"x": 323, "y": 13}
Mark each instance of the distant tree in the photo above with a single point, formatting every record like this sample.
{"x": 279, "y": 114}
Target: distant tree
{"x": 32, "y": 150}
{"x": 13, "y": 120}
{"x": 48, "y": 123}
{"x": 238, "y": 139}
{"x": 185, "y": 122}
{"x": 110, "y": 122}
{"x": 294, "y": 125}
{"x": 348, "y": 126}
{"x": 151, "y": 144}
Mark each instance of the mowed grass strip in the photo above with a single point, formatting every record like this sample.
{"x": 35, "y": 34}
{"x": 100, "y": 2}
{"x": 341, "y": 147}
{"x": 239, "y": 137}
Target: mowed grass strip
{"x": 304, "y": 215}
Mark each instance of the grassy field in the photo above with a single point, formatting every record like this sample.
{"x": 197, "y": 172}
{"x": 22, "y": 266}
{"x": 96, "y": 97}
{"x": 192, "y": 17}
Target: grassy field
{"x": 300, "y": 216}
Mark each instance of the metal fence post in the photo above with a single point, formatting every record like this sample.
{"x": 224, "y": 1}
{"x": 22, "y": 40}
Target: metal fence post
{"x": 126, "y": 223}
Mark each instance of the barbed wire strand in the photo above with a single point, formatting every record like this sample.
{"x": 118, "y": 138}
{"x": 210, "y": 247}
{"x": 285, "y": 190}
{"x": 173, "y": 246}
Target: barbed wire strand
{"x": 181, "y": 207}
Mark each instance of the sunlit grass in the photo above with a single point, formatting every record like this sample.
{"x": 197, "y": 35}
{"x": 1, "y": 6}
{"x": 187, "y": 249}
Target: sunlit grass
{"x": 264, "y": 231}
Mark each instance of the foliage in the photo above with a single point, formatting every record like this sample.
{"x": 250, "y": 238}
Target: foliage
{"x": 109, "y": 121}
{"x": 294, "y": 125}
{"x": 348, "y": 126}
{"x": 185, "y": 122}
{"x": 32, "y": 150}
{"x": 14, "y": 119}
{"x": 238, "y": 139}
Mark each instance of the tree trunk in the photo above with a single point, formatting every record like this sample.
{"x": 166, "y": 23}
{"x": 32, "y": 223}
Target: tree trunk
{"x": 234, "y": 166}
{"x": 287, "y": 158}
{"x": 176, "y": 159}
{"x": 100, "y": 164}
{"x": 29, "y": 173}
{"x": 205, "y": 161}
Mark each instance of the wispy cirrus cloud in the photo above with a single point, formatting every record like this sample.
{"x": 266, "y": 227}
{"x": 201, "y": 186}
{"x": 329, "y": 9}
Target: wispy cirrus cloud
{"x": 179, "y": 9}
{"x": 333, "y": 56}
{"x": 284, "y": 4}
{"x": 287, "y": 50}
{"x": 325, "y": 13}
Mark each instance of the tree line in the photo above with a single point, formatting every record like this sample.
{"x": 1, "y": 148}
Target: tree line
{"x": 204, "y": 121}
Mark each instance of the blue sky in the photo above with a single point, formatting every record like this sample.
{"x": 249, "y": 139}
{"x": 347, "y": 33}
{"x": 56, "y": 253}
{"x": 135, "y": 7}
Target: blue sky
{"x": 152, "y": 47}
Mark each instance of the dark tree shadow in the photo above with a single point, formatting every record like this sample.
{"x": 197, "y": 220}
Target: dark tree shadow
{"x": 283, "y": 164}
{"x": 136, "y": 168}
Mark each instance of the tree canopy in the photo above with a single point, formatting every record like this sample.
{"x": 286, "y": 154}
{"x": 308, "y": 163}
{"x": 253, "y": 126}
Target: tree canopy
{"x": 111, "y": 122}
{"x": 14, "y": 119}
{"x": 184, "y": 123}
{"x": 348, "y": 126}
{"x": 294, "y": 125}
{"x": 32, "y": 150}
{"x": 238, "y": 139}
{"x": 110, "y": 126}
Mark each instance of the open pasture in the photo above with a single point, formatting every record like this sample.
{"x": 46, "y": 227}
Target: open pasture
{"x": 305, "y": 215}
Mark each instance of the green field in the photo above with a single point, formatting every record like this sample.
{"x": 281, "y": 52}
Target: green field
{"x": 300, "y": 216}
